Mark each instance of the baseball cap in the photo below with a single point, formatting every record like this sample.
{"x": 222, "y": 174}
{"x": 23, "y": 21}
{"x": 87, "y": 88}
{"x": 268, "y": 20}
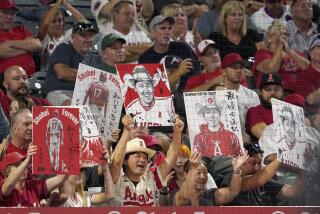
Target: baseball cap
{"x": 109, "y": 39}
{"x": 8, "y": 4}
{"x": 253, "y": 148}
{"x": 80, "y": 27}
{"x": 315, "y": 42}
{"x": 11, "y": 159}
{"x": 269, "y": 79}
{"x": 295, "y": 99}
{"x": 158, "y": 20}
{"x": 204, "y": 44}
{"x": 231, "y": 59}
{"x": 171, "y": 61}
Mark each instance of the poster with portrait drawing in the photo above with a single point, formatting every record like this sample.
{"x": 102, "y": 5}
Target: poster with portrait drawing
{"x": 100, "y": 90}
{"x": 290, "y": 133}
{"x": 146, "y": 93}
{"x": 213, "y": 122}
{"x": 56, "y": 134}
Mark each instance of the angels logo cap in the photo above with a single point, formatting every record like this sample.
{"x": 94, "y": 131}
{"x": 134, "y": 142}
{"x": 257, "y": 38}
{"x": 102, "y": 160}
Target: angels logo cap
{"x": 270, "y": 79}
{"x": 204, "y": 44}
{"x": 231, "y": 59}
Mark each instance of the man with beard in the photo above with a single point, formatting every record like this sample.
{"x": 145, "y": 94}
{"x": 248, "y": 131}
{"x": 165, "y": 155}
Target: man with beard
{"x": 16, "y": 85}
{"x": 259, "y": 117}
{"x": 213, "y": 139}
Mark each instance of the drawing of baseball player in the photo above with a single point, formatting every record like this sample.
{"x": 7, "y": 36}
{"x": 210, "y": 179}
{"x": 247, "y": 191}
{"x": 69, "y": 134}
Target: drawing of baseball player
{"x": 54, "y": 139}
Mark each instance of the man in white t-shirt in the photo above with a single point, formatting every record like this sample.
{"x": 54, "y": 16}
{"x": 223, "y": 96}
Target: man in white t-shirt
{"x": 102, "y": 10}
{"x": 232, "y": 68}
{"x": 137, "y": 187}
{"x": 137, "y": 41}
{"x": 274, "y": 9}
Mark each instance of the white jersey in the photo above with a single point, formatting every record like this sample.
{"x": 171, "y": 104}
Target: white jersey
{"x": 246, "y": 98}
{"x": 161, "y": 113}
{"x": 271, "y": 143}
{"x": 54, "y": 127}
{"x": 262, "y": 20}
{"x": 145, "y": 193}
{"x": 134, "y": 37}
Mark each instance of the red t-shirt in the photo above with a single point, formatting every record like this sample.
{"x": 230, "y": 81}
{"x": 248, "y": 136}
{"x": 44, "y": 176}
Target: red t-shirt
{"x": 13, "y": 148}
{"x": 288, "y": 71}
{"x": 258, "y": 114}
{"x": 308, "y": 81}
{"x": 5, "y": 103}
{"x": 29, "y": 197}
{"x": 25, "y": 60}
{"x": 200, "y": 79}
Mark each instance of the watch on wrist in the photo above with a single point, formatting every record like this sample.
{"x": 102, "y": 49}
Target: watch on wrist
{"x": 164, "y": 191}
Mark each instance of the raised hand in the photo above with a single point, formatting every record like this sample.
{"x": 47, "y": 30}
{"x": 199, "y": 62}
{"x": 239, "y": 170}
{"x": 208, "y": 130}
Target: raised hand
{"x": 238, "y": 161}
{"x": 185, "y": 66}
{"x": 127, "y": 122}
{"x": 195, "y": 160}
{"x": 178, "y": 125}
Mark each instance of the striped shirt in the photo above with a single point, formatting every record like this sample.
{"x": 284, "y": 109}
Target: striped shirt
{"x": 298, "y": 40}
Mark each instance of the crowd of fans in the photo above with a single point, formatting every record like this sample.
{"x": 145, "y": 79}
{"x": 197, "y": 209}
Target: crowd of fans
{"x": 262, "y": 50}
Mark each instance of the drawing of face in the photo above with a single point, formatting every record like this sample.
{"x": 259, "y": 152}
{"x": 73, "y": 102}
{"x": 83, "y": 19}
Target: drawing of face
{"x": 145, "y": 90}
{"x": 212, "y": 116}
{"x": 288, "y": 124}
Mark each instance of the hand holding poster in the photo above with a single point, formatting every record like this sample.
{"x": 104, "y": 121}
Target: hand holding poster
{"x": 290, "y": 133}
{"x": 146, "y": 93}
{"x": 214, "y": 123}
{"x": 100, "y": 90}
{"x": 56, "y": 134}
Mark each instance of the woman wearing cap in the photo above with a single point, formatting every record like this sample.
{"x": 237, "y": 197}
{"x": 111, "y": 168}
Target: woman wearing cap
{"x": 137, "y": 187}
{"x": 51, "y": 30}
{"x": 277, "y": 57}
{"x": 19, "y": 190}
{"x": 232, "y": 35}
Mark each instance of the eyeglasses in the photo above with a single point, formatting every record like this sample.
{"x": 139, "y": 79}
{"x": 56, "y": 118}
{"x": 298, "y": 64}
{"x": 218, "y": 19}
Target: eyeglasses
{"x": 59, "y": 20}
{"x": 81, "y": 26}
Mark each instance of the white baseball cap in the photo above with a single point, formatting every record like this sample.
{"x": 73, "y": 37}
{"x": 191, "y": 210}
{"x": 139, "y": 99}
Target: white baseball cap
{"x": 204, "y": 44}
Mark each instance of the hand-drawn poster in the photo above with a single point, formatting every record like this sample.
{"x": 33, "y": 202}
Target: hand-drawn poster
{"x": 91, "y": 144}
{"x": 56, "y": 134}
{"x": 100, "y": 90}
{"x": 146, "y": 93}
{"x": 214, "y": 123}
{"x": 290, "y": 133}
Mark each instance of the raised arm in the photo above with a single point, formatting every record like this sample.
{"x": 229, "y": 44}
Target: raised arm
{"x": 174, "y": 149}
{"x": 120, "y": 150}
{"x": 75, "y": 13}
{"x": 16, "y": 173}
{"x": 108, "y": 183}
{"x": 272, "y": 65}
{"x": 227, "y": 194}
{"x": 55, "y": 182}
{"x": 302, "y": 62}
{"x": 261, "y": 177}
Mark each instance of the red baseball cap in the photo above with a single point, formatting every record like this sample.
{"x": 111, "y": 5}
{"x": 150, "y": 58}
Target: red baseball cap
{"x": 231, "y": 59}
{"x": 295, "y": 99}
{"x": 11, "y": 159}
{"x": 8, "y": 4}
{"x": 149, "y": 140}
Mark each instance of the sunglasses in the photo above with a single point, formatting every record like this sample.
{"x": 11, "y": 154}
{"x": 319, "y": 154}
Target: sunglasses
{"x": 81, "y": 26}
{"x": 59, "y": 20}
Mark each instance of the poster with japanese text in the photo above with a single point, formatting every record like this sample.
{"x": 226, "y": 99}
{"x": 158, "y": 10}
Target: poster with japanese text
{"x": 214, "y": 123}
{"x": 100, "y": 90}
{"x": 146, "y": 93}
{"x": 290, "y": 133}
{"x": 56, "y": 134}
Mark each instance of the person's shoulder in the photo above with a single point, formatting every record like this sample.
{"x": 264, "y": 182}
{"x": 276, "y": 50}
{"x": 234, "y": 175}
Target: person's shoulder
{"x": 146, "y": 57}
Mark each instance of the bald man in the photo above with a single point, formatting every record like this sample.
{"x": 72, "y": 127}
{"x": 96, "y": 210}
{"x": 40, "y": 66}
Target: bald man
{"x": 16, "y": 85}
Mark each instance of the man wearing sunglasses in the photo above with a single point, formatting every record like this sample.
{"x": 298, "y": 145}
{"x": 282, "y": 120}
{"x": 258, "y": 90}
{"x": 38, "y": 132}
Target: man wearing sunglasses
{"x": 16, "y": 43}
{"x": 64, "y": 61}
{"x": 274, "y": 9}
